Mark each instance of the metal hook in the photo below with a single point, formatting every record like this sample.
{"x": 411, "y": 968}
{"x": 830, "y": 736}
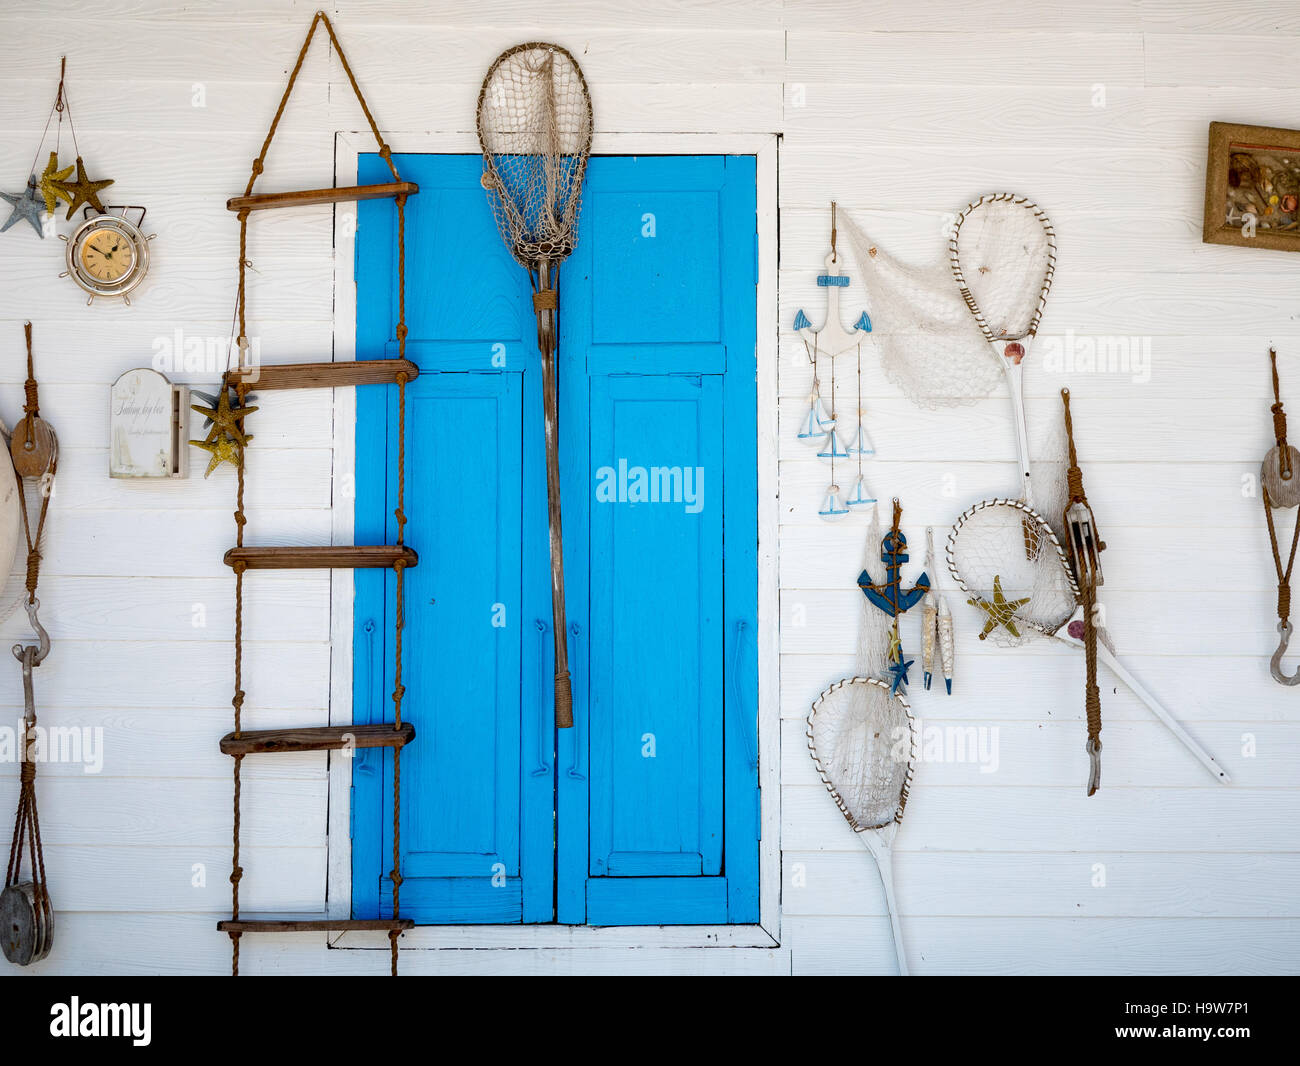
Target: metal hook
{"x": 28, "y": 659}
{"x": 43, "y": 649}
{"x": 1093, "y": 747}
{"x": 1275, "y": 663}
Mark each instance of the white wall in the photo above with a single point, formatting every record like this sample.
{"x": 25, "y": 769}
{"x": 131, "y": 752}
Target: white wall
{"x": 909, "y": 110}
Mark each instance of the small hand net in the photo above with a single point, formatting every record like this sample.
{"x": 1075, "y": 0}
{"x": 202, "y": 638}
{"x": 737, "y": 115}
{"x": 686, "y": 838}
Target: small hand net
{"x": 1021, "y": 584}
{"x": 1003, "y": 255}
{"x": 929, "y": 345}
{"x": 863, "y": 744}
{"x": 535, "y": 127}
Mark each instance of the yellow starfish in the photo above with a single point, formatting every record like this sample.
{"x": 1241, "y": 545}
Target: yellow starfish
{"x": 225, "y": 419}
{"x": 1000, "y": 610}
{"x": 47, "y": 185}
{"x": 223, "y": 451}
{"x": 82, "y": 191}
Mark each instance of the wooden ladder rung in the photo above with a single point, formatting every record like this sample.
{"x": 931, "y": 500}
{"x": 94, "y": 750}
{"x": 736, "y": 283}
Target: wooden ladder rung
{"x": 318, "y": 738}
{"x": 333, "y": 557}
{"x": 304, "y": 197}
{"x": 309, "y": 925}
{"x": 324, "y": 375}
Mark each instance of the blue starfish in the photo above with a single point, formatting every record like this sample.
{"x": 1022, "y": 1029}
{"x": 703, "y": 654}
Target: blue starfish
{"x": 898, "y": 671}
{"x": 29, "y": 205}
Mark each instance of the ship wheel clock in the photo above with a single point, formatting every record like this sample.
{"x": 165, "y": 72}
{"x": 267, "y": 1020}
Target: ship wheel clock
{"x": 107, "y": 254}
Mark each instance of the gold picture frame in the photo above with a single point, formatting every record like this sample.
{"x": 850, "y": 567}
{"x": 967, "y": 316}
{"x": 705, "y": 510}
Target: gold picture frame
{"x": 1252, "y": 187}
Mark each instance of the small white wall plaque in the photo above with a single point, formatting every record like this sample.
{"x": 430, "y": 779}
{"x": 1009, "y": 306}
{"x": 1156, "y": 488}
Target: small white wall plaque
{"x": 146, "y": 416}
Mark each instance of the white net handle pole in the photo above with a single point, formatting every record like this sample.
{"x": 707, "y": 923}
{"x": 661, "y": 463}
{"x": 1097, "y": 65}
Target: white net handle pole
{"x": 1141, "y": 692}
{"x": 880, "y": 842}
{"x": 1015, "y": 374}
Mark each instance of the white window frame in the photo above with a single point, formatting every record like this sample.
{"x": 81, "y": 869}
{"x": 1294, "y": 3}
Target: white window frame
{"x": 767, "y": 932}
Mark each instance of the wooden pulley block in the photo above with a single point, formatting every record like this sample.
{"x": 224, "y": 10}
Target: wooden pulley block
{"x": 26, "y": 925}
{"x": 34, "y": 447}
{"x": 1282, "y": 491}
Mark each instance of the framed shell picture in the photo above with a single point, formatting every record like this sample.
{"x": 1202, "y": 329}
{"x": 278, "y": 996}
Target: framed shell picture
{"x": 1252, "y": 187}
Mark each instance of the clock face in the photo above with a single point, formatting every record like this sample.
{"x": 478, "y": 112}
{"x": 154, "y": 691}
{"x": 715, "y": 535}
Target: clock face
{"x": 107, "y": 254}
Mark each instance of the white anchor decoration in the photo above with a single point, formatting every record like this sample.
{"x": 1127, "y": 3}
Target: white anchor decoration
{"x": 833, "y": 340}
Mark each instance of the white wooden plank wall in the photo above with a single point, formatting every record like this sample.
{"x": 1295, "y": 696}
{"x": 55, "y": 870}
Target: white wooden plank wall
{"x": 902, "y": 112}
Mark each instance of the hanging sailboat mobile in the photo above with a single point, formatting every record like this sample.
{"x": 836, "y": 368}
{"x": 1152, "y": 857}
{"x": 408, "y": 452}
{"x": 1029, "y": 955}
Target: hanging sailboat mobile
{"x": 819, "y": 426}
{"x": 1279, "y": 477}
{"x": 889, "y": 596}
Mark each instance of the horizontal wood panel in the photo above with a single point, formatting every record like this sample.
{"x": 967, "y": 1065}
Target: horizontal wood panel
{"x": 826, "y": 620}
{"x": 829, "y": 555}
{"x": 958, "y": 749}
{"x": 1045, "y": 885}
{"x": 1045, "y": 684}
{"x": 1118, "y": 492}
{"x": 149, "y": 880}
{"x": 974, "y": 57}
{"x": 1079, "y": 946}
{"x": 1213, "y": 818}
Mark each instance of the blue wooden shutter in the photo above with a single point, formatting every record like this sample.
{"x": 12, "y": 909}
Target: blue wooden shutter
{"x": 657, "y": 794}
{"x": 503, "y": 820}
{"x": 477, "y": 783}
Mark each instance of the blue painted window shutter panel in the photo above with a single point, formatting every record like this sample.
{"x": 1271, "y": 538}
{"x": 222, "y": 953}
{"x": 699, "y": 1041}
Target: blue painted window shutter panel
{"x": 646, "y": 812}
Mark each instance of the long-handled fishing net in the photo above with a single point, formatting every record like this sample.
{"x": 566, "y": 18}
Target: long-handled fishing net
{"x": 863, "y": 743}
{"x": 1003, "y": 256}
{"x": 1026, "y": 587}
{"x": 535, "y": 126}
{"x": 935, "y": 338}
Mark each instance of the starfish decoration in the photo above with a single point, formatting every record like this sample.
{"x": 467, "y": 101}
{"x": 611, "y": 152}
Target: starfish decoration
{"x": 212, "y": 401}
{"x": 48, "y": 182}
{"x": 225, "y": 421}
{"x": 1000, "y": 610}
{"x": 81, "y": 191}
{"x": 897, "y": 665}
{"x": 27, "y": 205}
{"x": 223, "y": 451}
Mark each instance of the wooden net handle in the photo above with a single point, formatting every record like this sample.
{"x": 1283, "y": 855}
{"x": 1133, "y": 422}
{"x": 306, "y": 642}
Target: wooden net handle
{"x": 563, "y": 701}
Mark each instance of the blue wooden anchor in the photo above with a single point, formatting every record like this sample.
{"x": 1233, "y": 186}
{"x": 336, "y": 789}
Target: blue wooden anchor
{"x": 888, "y": 595}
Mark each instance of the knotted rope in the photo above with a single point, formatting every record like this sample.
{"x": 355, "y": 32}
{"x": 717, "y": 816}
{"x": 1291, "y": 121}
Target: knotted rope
{"x": 1284, "y": 468}
{"x": 27, "y": 823}
{"x": 1086, "y": 576}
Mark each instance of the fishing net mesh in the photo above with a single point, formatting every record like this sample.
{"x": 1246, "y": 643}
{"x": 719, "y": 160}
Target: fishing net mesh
{"x": 1013, "y": 570}
{"x": 929, "y": 345}
{"x": 535, "y": 126}
{"x": 1003, "y": 247}
{"x": 874, "y": 625}
{"x": 862, "y": 743}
